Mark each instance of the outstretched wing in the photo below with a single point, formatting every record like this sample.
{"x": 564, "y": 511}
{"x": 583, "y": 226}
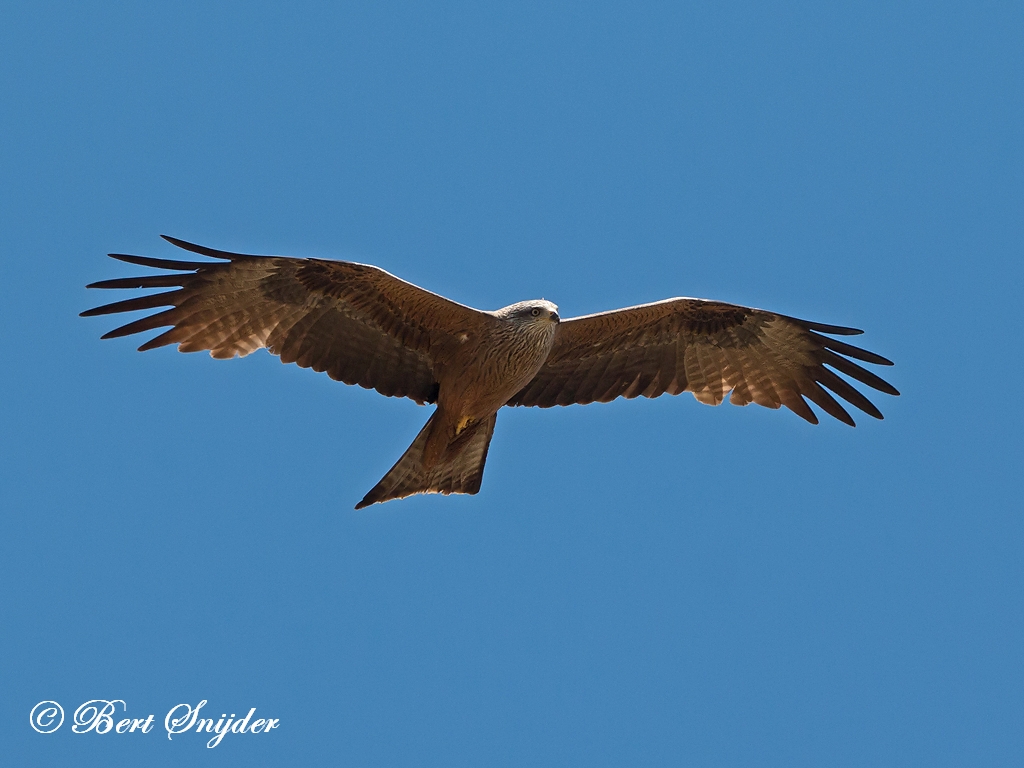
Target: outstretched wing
{"x": 708, "y": 348}
{"x": 356, "y": 322}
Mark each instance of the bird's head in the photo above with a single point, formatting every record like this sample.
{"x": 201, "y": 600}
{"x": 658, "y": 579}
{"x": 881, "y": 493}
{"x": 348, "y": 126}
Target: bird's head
{"x": 534, "y": 312}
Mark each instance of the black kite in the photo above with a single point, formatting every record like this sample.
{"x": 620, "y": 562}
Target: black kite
{"x": 364, "y": 326}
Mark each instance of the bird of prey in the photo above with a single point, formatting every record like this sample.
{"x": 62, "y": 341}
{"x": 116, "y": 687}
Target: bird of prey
{"x": 365, "y": 326}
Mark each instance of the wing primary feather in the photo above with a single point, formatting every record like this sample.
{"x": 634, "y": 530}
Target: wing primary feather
{"x": 150, "y": 281}
{"x": 167, "y": 337}
{"x": 204, "y": 250}
{"x": 827, "y": 403}
{"x": 149, "y": 261}
{"x": 835, "y": 330}
{"x": 165, "y": 299}
{"x": 849, "y": 350}
{"x": 854, "y": 371}
{"x": 142, "y": 324}
{"x": 848, "y": 392}
{"x": 798, "y": 405}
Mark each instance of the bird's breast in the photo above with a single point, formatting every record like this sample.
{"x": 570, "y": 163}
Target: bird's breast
{"x": 488, "y": 371}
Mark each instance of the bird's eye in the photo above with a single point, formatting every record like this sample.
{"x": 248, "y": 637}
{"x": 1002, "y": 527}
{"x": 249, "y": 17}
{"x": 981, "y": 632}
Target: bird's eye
{"x": 535, "y": 312}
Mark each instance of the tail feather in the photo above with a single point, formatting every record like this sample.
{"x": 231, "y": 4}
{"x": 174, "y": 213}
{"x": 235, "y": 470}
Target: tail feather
{"x": 460, "y": 468}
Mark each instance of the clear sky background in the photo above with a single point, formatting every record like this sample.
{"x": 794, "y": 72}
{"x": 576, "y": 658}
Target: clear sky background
{"x": 638, "y": 583}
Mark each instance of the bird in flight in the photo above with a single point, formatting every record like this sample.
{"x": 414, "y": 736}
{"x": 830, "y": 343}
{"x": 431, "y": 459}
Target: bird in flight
{"x": 362, "y": 325}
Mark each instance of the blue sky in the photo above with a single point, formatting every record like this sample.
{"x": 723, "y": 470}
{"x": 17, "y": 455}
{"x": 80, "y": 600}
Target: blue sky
{"x": 642, "y": 582}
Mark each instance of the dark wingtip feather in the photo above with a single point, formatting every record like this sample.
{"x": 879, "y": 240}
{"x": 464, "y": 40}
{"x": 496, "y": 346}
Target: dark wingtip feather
{"x": 827, "y": 403}
{"x": 799, "y": 406}
{"x": 848, "y": 392}
{"x": 148, "y": 261}
{"x": 150, "y": 281}
{"x": 156, "y": 342}
{"x": 132, "y": 305}
{"x": 849, "y": 350}
{"x": 202, "y": 249}
{"x": 853, "y": 370}
{"x": 147, "y": 323}
{"x": 835, "y": 330}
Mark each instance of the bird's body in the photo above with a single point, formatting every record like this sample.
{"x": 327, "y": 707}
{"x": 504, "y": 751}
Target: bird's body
{"x": 483, "y": 372}
{"x": 364, "y": 326}
{"x": 488, "y": 368}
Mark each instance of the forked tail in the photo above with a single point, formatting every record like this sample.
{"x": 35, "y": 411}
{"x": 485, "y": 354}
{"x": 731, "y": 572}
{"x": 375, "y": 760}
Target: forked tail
{"x": 459, "y": 469}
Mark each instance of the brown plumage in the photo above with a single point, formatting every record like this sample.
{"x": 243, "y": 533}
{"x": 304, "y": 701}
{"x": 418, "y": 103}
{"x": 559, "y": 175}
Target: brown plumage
{"x": 364, "y": 326}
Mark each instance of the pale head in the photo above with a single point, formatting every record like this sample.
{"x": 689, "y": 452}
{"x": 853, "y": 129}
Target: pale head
{"x": 532, "y": 312}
